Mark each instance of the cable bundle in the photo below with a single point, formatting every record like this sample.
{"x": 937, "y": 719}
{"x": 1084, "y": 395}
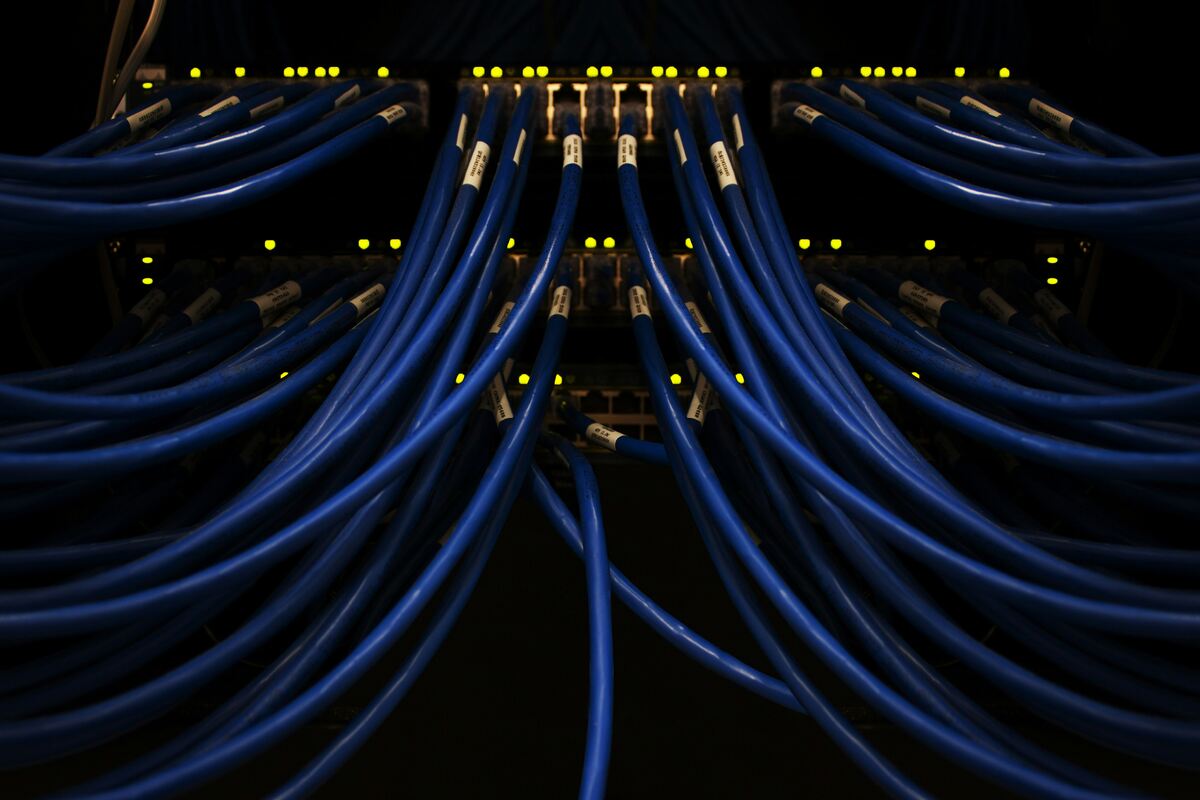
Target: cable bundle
{"x": 811, "y": 498}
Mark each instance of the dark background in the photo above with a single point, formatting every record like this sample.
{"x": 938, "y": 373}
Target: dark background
{"x": 501, "y": 711}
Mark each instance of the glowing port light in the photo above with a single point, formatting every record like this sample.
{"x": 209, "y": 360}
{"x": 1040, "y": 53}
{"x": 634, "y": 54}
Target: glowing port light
{"x": 672, "y": 72}
{"x": 523, "y": 379}
{"x": 1053, "y": 281}
{"x": 240, "y": 72}
{"x": 910, "y": 72}
{"x": 284, "y": 374}
{"x": 606, "y": 72}
{"x": 864, "y": 71}
{"x": 930, "y": 244}
{"x": 589, "y": 241}
{"x": 593, "y": 72}
{"x": 301, "y": 71}
{"x": 676, "y": 379}
{"x": 1005, "y": 72}
{"x": 363, "y": 244}
{"x": 897, "y": 72}
{"x": 148, "y": 85}
{"x": 335, "y": 71}
{"x": 688, "y": 242}
{"x": 816, "y": 72}
{"x": 1051, "y": 259}
{"x": 657, "y": 72}
{"x": 702, "y": 72}
{"x": 835, "y": 244}
{"x": 382, "y": 72}
{"x": 147, "y": 259}
{"x": 460, "y": 377}
{"x": 511, "y": 243}
{"x": 269, "y": 244}
{"x": 740, "y": 377}
{"x": 880, "y": 72}
{"x": 543, "y": 72}
{"x": 319, "y": 72}
{"x": 916, "y": 375}
{"x": 394, "y": 244}
{"x": 148, "y": 280}
{"x": 960, "y": 72}
{"x": 195, "y": 72}
{"x": 721, "y": 72}
{"x": 289, "y": 72}
{"x": 497, "y": 72}
{"x": 527, "y": 72}
{"x": 805, "y": 244}
{"x": 479, "y": 72}
{"x": 610, "y": 242}
{"x": 557, "y": 379}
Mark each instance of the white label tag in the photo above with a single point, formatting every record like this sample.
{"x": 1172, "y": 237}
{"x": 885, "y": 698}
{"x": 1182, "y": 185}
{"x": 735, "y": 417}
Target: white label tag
{"x": 1050, "y": 114}
{"x": 971, "y": 102}
{"x": 919, "y": 296}
{"x": 560, "y": 302}
{"x": 497, "y": 400}
{"x": 269, "y": 107}
{"x": 348, "y": 96}
{"x": 807, "y": 113}
{"x": 573, "y": 150}
{"x": 702, "y": 399}
{"x": 639, "y": 303}
{"x": 933, "y": 108}
{"x": 149, "y": 305}
{"x": 392, "y": 113}
{"x": 694, "y": 310}
{"x": 679, "y": 147}
{"x": 285, "y": 317}
{"x": 831, "y": 299}
{"x": 722, "y": 165}
{"x": 1053, "y": 308}
{"x": 367, "y": 300}
{"x": 202, "y": 306}
{"x": 501, "y": 315}
{"x": 851, "y": 96}
{"x": 462, "y": 131}
{"x": 913, "y": 317}
{"x": 520, "y": 147}
{"x": 602, "y": 435}
{"x": 626, "y": 150}
{"x": 280, "y": 297}
{"x": 996, "y": 305}
{"x": 148, "y": 115}
{"x": 477, "y": 164}
{"x": 228, "y": 102}
{"x": 737, "y": 132}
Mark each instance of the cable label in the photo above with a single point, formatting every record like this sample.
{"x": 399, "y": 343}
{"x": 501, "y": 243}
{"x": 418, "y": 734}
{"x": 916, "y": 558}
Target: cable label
{"x": 477, "y": 165}
{"x": 560, "y": 302}
{"x": 203, "y": 305}
{"x": 1050, "y": 305}
{"x": 919, "y": 296}
{"x": 501, "y": 316}
{"x": 149, "y": 305}
{"x": 831, "y": 298}
{"x": 971, "y": 102}
{"x": 931, "y": 107}
{"x": 573, "y": 150}
{"x": 702, "y": 399}
{"x": 392, "y": 113}
{"x": 996, "y": 305}
{"x": 278, "y": 298}
{"x": 497, "y": 400}
{"x": 737, "y": 132}
{"x": 807, "y": 113}
{"x": 1050, "y": 114}
{"x": 366, "y": 301}
{"x": 851, "y": 96}
{"x": 701, "y": 323}
{"x": 148, "y": 115}
{"x": 348, "y": 96}
{"x": 626, "y": 150}
{"x": 639, "y": 303}
{"x": 679, "y": 147}
{"x": 602, "y": 435}
{"x": 722, "y": 165}
{"x": 228, "y": 102}
{"x": 520, "y": 147}
{"x": 269, "y": 107}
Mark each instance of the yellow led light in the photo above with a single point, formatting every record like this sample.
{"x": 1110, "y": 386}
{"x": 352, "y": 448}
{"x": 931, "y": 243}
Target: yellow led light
{"x": 335, "y": 71}
{"x": 147, "y": 280}
{"x": 147, "y": 85}
{"x": 702, "y": 72}
{"x": 805, "y": 244}
{"x": 527, "y": 72}
{"x": 283, "y": 375}
{"x": 557, "y": 379}
{"x": 459, "y": 378}
{"x": 497, "y": 72}
{"x": 688, "y": 242}
{"x": 301, "y": 71}
{"x": 382, "y": 72}
{"x": 195, "y": 72}
{"x": 363, "y": 244}
{"x": 1053, "y": 281}
{"x": 916, "y": 375}
{"x": 394, "y": 244}
{"x": 910, "y": 72}
{"x": 147, "y": 259}
{"x": 610, "y": 241}
{"x": 676, "y": 379}
{"x": 897, "y": 72}
{"x": 239, "y": 72}
{"x": 930, "y": 244}
{"x": 289, "y": 72}
{"x": 269, "y": 244}
{"x": 606, "y": 72}
{"x": 672, "y": 72}
{"x": 319, "y": 72}
{"x": 1051, "y": 259}
{"x": 589, "y": 241}
{"x": 880, "y": 72}
{"x": 960, "y": 72}
{"x": 543, "y": 72}
{"x": 511, "y": 243}
{"x": 836, "y": 244}
{"x": 1004, "y": 72}
{"x": 592, "y": 72}
{"x": 864, "y": 71}
{"x": 523, "y": 379}
{"x": 656, "y": 72}
{"x": 816, "y": 72}
{"x": 720, "y": 72}
{"x": 478, "y": 72}
{"x": 740, "y": 377}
